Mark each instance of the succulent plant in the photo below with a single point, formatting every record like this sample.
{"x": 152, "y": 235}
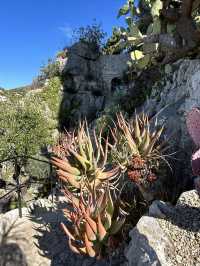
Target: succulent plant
{"x": 82, "y": 162}
{"x": 138, "y": 147}
{"x": 93, "y": 220}
{"x": 193, "y": 125}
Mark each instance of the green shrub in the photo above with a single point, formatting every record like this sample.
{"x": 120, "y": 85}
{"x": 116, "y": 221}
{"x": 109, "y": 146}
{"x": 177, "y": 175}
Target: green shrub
{"x": 91, "y": 34}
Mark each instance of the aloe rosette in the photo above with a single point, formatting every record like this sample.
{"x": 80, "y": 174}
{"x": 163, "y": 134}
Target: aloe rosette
{"x": 93, "y": 221}
{"x": 83, "y": 162}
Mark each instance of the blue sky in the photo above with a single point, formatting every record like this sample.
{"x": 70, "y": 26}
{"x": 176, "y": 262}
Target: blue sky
{"x": 31, "y": 31}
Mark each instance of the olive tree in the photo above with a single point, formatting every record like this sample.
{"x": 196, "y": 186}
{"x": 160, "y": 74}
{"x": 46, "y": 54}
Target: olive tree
{"x": 23, "y": 132}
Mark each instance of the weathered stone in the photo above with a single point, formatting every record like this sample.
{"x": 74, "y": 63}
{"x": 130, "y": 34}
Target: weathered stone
{"x": 148, "y": 244}
{"x": 175, "y": 95}
{"x": 159, "y": 209}
{"x": 91, "y": 80}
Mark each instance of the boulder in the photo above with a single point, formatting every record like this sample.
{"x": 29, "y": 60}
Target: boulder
{"x": 148, "y": 244}
{"x": 171, "y": 237}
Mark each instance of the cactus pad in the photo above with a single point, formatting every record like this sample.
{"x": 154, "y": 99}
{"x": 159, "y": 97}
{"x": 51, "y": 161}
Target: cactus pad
{"x": 193, "y": 125}
{"x": 196, "y": 163}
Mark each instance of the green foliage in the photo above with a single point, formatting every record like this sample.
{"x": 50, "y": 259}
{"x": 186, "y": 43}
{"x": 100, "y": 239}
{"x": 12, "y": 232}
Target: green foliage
{"x": 51, "y": 95}
{"x": 62, "y": 54}
{"x": 51, "y": 70}
{"x": 23, "y": 129}
{"x": 153, "y": 28}
{"x": 91, "y": 34}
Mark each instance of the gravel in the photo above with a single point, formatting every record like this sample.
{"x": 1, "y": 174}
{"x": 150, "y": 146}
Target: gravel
{"x": 182, "y": 226}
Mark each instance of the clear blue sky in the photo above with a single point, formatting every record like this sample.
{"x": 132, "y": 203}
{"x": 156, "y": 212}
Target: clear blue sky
{"x": 31, "y": 31}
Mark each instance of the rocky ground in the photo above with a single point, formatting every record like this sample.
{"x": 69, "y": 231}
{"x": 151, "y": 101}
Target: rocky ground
{"x": 168, "y": 235}
{"x": 182, "y": 226}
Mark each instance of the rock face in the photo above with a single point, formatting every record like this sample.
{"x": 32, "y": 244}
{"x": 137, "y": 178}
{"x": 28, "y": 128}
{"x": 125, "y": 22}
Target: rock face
{"x": 89, "y": 82}
{"x": 172, "y": 237}
{"x": 172, "y": 98}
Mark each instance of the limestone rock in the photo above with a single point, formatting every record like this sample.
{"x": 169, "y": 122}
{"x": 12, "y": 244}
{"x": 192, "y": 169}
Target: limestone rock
{"x": 90, "y": 81}
{"x": 171, "y": 237}
{"x": 148, "y": 244}
{"x": 175, "y": 95}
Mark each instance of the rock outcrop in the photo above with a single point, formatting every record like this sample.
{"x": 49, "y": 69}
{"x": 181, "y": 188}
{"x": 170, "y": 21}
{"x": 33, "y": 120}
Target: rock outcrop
{"x": 172, "y": 98}
{"x": 171, "y": 237}
{"x": 89, "y": 82}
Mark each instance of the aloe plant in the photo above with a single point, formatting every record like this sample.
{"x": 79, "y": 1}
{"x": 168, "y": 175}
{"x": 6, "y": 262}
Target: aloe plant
{"x": 93, "y": 221}
{"x": 82, "y": 162}
{"x": 138, "y": 148}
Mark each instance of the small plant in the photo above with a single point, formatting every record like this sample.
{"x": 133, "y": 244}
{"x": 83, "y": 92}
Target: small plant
{"x": 50, "y": 70}
{"x": 62, "y": 54}
{"x": 137, "y": 148}
{"x": 82, "y": 162}
{"x": 193, "y": 125}
{"x": 93, "y": 35}
{"x": 94, "y": 220}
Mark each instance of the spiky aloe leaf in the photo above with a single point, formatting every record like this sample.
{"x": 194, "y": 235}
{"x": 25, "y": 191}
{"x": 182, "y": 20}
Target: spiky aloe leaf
{"x": 67, "y": 231}
{"x": 116, "y": 226}
{"x": 83, "y": 161}
{"x": 76, "y": 248}
{"x": 91, "y": 252}
{"x": 90, "y": 232}
{"x": 67, "y": 177}
{"x": 91, "y": 222}
{"x": 122, "y": 124}
{"x": 64, "y": 165}
{"x": 109, "y": 211}
{"x": 101, "y": 229}
{"x": 72, "y": 247}
{"x": 137, "y": 130}
{"x": 108, "y": 174}
{"x": 153, "y": 141}
{"x": 145, "y": 145}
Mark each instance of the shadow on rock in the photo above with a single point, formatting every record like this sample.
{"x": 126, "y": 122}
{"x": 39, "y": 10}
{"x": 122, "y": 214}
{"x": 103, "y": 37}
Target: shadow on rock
{"x": 12, "y": 255}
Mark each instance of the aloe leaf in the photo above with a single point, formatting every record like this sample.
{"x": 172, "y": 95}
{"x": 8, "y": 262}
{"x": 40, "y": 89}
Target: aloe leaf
{"x": 65, "y": 166}
{"x": 91, "y": 252}
{"x": 67, "y": 232}
{"x": 101, "y": 229}
{"x": 116, "y": 226}
{"x": 68, "y": 177}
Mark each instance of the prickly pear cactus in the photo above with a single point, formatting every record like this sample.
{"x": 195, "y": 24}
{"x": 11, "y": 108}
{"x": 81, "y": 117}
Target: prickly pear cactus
{"x": 193, "y": 125}
{"x": 196, "y": 163}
